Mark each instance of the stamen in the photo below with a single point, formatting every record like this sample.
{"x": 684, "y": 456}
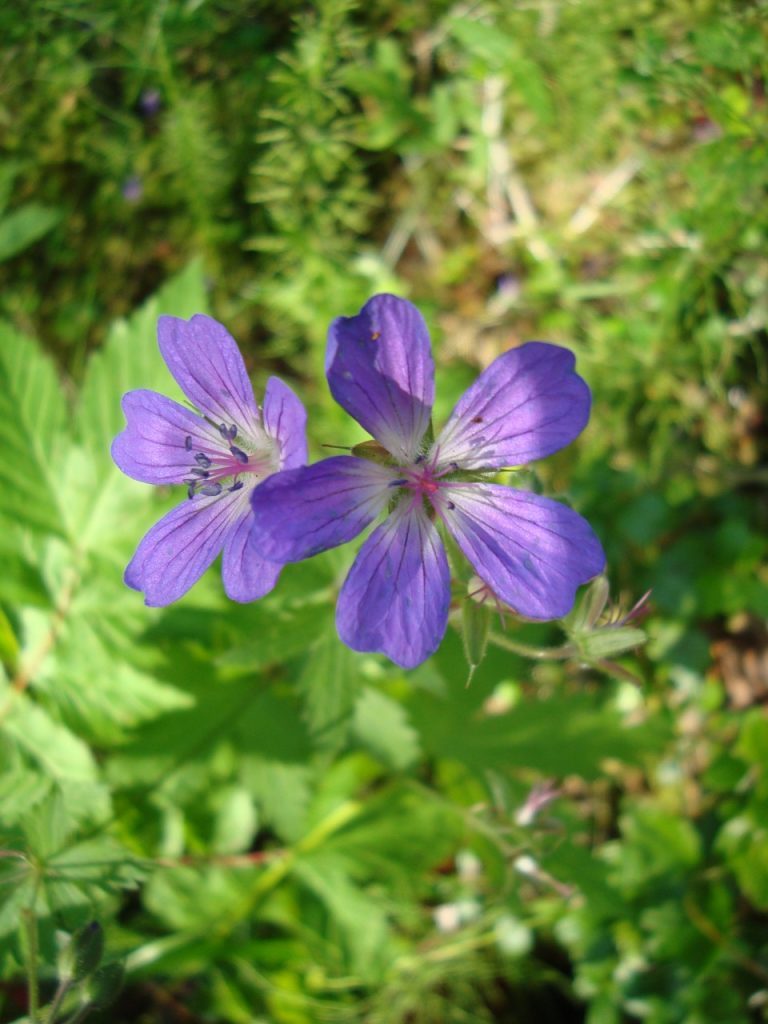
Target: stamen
{"x": 202, "y": 460}
{"x": 224, "y": 431}
{"x": 398, "y": 483}
{"x": 232, "y": 432}
{"x": 191, "y": 491}
{"x": 239, "y": 454}
{"x": 236, "y": 486}
{"x": 450, "y": 505}
{"x": 202, "y": 473}
{"x": 188, "y": 443}
{"x": 211, "y": 490}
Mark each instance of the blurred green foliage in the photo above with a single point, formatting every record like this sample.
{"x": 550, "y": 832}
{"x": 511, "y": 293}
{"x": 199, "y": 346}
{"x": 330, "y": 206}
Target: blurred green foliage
{"x": 268, "y": 826}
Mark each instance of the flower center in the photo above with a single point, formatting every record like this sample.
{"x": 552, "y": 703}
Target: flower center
{"x": 216, "y": 462}
{"x": 424, "y": 481}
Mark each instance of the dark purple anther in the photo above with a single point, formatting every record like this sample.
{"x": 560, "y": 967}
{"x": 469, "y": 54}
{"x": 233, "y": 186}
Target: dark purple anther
{"x": 398, "y": 483}
{"x": 202, "y": 460}
{"x": 188, "y": 443}
{"x": 239, "y": 454}
{"x": 211, "y": 490}
{"x": 202, "y": 473}
{"x": 232, "y": 432}
{"x": 236, "y": 485}
{"x": 191, "y": 491}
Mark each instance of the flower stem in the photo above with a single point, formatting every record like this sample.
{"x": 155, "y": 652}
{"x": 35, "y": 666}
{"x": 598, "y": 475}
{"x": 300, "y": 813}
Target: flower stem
{"x": 58, "y": 998}
{"x": 79, "y": 1015}
{"x": 526, "y": 651}
{"x": 29, "y": 933}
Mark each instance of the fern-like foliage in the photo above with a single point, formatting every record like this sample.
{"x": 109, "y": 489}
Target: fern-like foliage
{"x": 308, "y": 180}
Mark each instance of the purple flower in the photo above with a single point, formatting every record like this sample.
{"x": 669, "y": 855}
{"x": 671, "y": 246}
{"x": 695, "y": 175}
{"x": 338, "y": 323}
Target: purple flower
{"x": 532, "y": 551}
{"x": 132, "y": 189}
{"x": 221, "y": 454}
{"x": 150, "y": 102}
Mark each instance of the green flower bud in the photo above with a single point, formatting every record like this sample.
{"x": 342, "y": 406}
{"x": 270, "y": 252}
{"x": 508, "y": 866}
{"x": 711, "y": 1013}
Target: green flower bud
{"x": 591, "y": 606}
{"x": 82, "y": 954}
{"x": 105, "y": 985}
{"x": 476, "y": 625}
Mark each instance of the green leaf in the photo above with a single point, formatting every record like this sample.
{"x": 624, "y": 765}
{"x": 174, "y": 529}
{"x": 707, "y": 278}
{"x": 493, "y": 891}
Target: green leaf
{"x": 571, "y": 734}
{"x": 360, "y": 919}
{"x": 656, "y": 844}
{"x": 33, "y": 417}
{"x": 93, "y": 677}
{"x": 58, "y": 753}
{"x": 197, "y": 899}
{"x": 21, "y": 788}
{"x": 22, "y": 227}
{"x": 278, "y": 633}
{"x": 235, "y": 715}
{"x": 381, "y": 724}
{"x": 9, "y": 171}
{"x": 329, "y": 684}
{"x": 497, "y": 50}
{"x": 282, "y": 792}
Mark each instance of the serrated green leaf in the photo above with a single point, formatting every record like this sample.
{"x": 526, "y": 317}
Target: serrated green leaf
{"x": 59, "y": 754}
{"x": 21, "y": 789}
{"x": 89, "y": 677}
{"x": 329, "y": 684}
{"x": 282, "y": 792}
{"x": 33, "y": 415}
{"x": 234, "y": 714}
{"x": 279, "y": 633}
{"x": 382, "y": 725}
{"x": 197, "y": 899}
{"x": 360, "y": 919}
{"x": 131, "y": 359}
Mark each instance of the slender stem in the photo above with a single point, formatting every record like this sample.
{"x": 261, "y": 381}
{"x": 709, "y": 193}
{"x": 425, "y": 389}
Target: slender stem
{"x": 61, "y": 991}
{"x": 79, "y": 1015}
{"x": 31, "y": 667}
{"x": 29, "y": 928}
{"x": 526, "y": 651}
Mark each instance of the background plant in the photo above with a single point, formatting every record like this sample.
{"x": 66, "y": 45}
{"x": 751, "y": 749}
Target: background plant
{"x": 267, "y": 826}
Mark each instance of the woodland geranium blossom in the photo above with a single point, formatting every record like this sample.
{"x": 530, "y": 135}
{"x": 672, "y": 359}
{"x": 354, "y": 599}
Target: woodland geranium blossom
{"x": 220, "y": 454}
{"x": 533, "y": 552}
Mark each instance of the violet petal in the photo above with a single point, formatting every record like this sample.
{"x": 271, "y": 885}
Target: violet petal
{"x": 300, "y": 512}
{"x": 380, "y": 369}
{"x": 246, "y": 575}
{"x": 527, "y": 404}
{"x": 285, "y": 419}
{"x": 396, "y": 597}
{"x": 178, "y": 549}
{"x": 206, "y": 362}
{"x": 531, "y": 551}
{"x": 153, "y": 447}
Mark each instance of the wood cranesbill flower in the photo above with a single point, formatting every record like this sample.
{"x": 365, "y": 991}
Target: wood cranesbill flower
{"x": 221, "y": 453}
{"x": 532, "y": 551}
